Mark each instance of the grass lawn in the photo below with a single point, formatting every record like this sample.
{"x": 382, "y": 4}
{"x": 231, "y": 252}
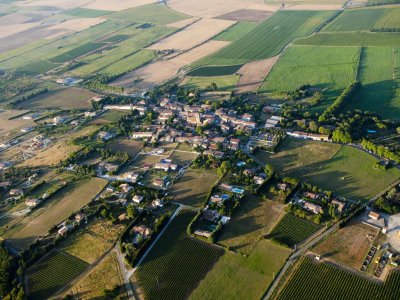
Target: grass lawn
{"x": 255, "y": 217}
{"x": 110, "y": 116}
{"x": 224, "y": 83}
{"x": 348, "y": 245}
{"x": 193, "y": 187}
{"x": 237, "y": 277}
{"x": 236, "y": 31}
{"x": 342, "y": 169}
{"x": 182, "y": 158}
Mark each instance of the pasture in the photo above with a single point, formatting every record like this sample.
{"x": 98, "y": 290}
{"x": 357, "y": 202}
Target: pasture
{"x": 176, "y": 263}
{"x": 236, "y": 31}
{"x": 324, "y": 281}
{"x": 193, "y": 187}
{"x": 348, "y": 245}
{"x": 52, "y": 273}
{"x": 292, "y": 230}
{"x": 238, "y": 277}
{"x": 269, "y": 38}
{"x": 224, "y": 83}
{"x": 56, "y": 209}
{"x": 255, "y": 217}
{"x": 342, "y": 169}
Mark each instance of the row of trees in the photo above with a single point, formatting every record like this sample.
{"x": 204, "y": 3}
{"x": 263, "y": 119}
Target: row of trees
{"x": 380, "y": 150}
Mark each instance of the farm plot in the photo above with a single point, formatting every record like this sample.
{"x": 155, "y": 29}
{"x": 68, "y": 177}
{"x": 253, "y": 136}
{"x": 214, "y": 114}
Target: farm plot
{"x": 237, "y": 277}
{"x": 324, "y": 281}
{"x": 246, "y": 15}
{"x": 269, "y": 38}
{"x": 110, "y": 116}
{"x": 131, "y": 147}
{"x": 116, "y": 5}
{"x": 182, "y": 158}
{"x": 223, "y": 83}
{"x": 176, "y": 263}
{"x": 86, "y": 13}
{"x": 378, "y": 86}
{"x": 255, "y": 217}
{"x": 348, "y": 245}
{"x": 236, "y": 31}
{"x": 292, "y": 230}
{"x": 157, "y": 13}
{"x": 214, "y": 71}
{"x": 193, "y": 187}
{"x": 343, "y": 169}
{"x": 390, "y": 20}
{"x": 52, "y": 273}
{"x": 74, "y": 53}
{"x": 68, "y": 200}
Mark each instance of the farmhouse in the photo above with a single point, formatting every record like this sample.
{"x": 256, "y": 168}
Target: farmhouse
{"x": 80, "y": 217}
{"x": 158, "y": 182}
{"x": 16, "y": 192}
{"x": 311, "y": 195}
{"x": 63, "y": 230}
{"x": 204, "y": 233}
{"x": 105, "y": 135}
{"x": 373, "y": 215}
{"x": 338, "y": 204}
{"x": 157, "y": 203}
{"x": 32, "y": 202}
{"x": 316, "y": 209}
{"x": 210, "y": 215}
{"x": 137, "y": 199}
{"x": 142, "y": 135}
{"x": 142, "y": 230}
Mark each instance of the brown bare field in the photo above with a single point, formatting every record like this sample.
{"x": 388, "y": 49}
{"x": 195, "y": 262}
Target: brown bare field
{"x": 313, "y": 7}
{"x": 61, "y": 98}
{"x": 193, "y": 187}
{"x": 78, "y": 24}
{"x": 182, "y": 158}
{"x": 348, "y": 245}
{"x": 131, "y": 147}
{"x": 160, "y": 71}
{"x": 254, "y": 73}
{"x": 182, "y": 23}
{"x": 193, "y": 35}
{"x": 104, "y": 276}
{"x": 11, "y": 29}
{"x": 215, "y": 8}
{"x": 116, "y": 5}
{"x": 7, "y": 125}
{"x": 249, "y": 15}
{"x": 70, "y": 199}
{"x": 143, "y": 159}
{"x": 61, "y": 4}
{"x": 254, "y": 218}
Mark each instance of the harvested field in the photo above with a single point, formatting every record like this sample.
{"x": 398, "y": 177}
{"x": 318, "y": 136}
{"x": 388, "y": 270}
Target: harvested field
{"x": 160, "y": 71}
{"x": 61, "y": 98}
{"x": 193, "y": 35}
{"x": 182, "y": 23}
{"x": 182, "y": 158}
{"x": 12, "y": 29}
{"x": 116, "y": 5}
{"x": 348, "y": 245}
{"x": 66, "y": 201}
{"x": 78, "y": 24}
{"x": 15, "y": 124}
{"x": 249, "y": 15}
{"x": 253, "y": 73}
{"x": 193, "y": 187}
{"x": 143, "y": 159}
{"x": 86, "y": 13}
{"x": 131, "y": 147}
{"x": 61, "y": 4}
{"x": 255, "y": 217}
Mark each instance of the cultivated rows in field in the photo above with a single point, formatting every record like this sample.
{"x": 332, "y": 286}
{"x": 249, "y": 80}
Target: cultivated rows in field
{"x": 176, "y": 263}
{"x": 78, "y": 51}
{"x": 269, "y": 38}
{"x": 320, "y": 281}
{"x": 214, "y": 70}
{"x": 53, "y": 273}
{"x": 236, "y": 31}
{"x": 292, "y": 230}
{"x": 352, "y": 39}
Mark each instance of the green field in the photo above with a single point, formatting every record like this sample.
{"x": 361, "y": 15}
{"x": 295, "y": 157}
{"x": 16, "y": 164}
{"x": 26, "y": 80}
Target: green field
{"x": 378, "y": 92}
{"x": 38, "y": 67}
{"x": 390, "y": 20}
{"x": 236, "y": 31}
{"x": 333, "y": 68}
{"x": 292, "y": 230}
{"x": 53, "y": 273}
{"x": 352, "y": 39}
{"x": 342, "y": 169}
{"x": 269, "y": 38}
{"x": 214, "y": 71}
{"x": 74, "y": 53}
{"x": 224, "y": 83}
{"x": 319, "y": 281}
{"x": 237, "y": 277}
{"x": 157, "y": 13}
{"x": 86, "y": 12}
{"x": 176, "y": 263}
{"x": 356, "y": 20}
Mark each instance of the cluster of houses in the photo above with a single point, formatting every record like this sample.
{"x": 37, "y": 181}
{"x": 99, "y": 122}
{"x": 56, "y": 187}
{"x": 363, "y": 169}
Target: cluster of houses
{"x": 309, "y": 201}
{"x": 65, "y": 227}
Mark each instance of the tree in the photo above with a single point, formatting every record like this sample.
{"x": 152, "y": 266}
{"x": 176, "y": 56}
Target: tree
{"x": 313, "y": 126}
{"x": 130, "y": 211}
{"x": 268, "y": 169}
{"x": 223, "y": 169}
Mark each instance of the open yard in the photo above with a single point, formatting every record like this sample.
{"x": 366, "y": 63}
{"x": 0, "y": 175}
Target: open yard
{"x": 176, "y": 263}
{"x": 325, "y": 281}
{"x": 348, "y": 245}
{"x": 182, "y": 158}
{"x": 52, "y": 273}
{"x": 193, "y": 187}
{"x": 342, "y": 169}
{"x": 237, "y": 277}
{"x": 131, "y": 147}
{"x": 255, "y": 217}
{"x": 68, "y": 200}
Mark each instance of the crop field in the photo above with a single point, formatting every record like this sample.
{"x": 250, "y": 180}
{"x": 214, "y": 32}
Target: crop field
{"x": 193, "y": 187}
{"x": 292, "y": 230}
{"x": 74, "y": 53}
{"x": 343, "y": 169}
{"x": 390, "y": 20}
{"x": 110, "y": 116}
{"x": 53, "y": 273}
{"x": 224, "y": 83}
{"x": 391, "y": 39}
{"x": 131, "y": 147}
{"x": 68, "y": 200}
{"x": 176, "y": 263}
{"x": 157, "y": 13}
{"x": 38, "y": 67}
{"x": 214, "y": 71}
{"x": 320, "y": 281}
{"x": 321, "y": 67}
{"x": 378, "y": 86}
{"x": 255, "y": 217}
{"x": 236, "y": 31}
{"x": 268, "y": 38}
{"x": 237, "y": 277}
{"x": 86, "y": 12}
{"x": 348, "y": 245}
